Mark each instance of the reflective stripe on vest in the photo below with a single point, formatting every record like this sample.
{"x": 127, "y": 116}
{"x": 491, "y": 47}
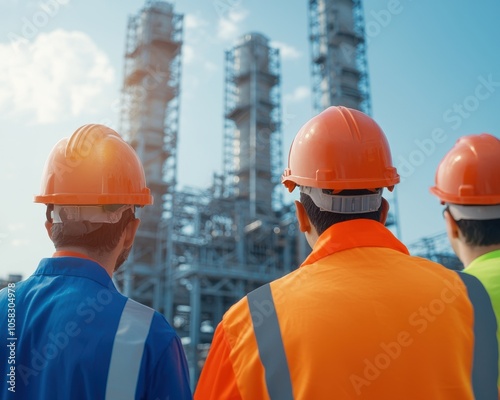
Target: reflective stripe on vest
{"x": 272, "y": 352}
{"x": 270, "y": 343}
{"x": 128, "y": 348}
{"x": 485, "y": 364}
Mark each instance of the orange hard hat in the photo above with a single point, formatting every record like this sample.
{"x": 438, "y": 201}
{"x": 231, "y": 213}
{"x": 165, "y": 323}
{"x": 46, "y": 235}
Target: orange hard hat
{"x": 469, "y": 174}
{"x": 95, "y": 166}
{"x": 340, "y": 148}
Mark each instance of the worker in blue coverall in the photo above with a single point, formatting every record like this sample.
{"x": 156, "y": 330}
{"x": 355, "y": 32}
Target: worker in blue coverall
{"x": 66, "y": 333}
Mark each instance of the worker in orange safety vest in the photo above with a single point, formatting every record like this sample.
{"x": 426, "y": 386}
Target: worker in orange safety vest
{"x": 360, "y": 318}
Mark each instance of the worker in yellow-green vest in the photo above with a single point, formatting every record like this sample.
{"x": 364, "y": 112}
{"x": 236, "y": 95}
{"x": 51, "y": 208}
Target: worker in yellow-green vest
{"x": 468, "y": 184}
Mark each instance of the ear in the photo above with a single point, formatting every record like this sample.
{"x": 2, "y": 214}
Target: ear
{"x": 451, "y": 226}
{"x": 130, "y": 231}
{"x": 384, "y": 212}
{"x": 302, "y": 217}
{"x": 48, "y": 228}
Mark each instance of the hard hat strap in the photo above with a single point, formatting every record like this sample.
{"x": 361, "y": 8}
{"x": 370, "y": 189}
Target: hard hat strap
{"x": 478, "y": 213}
{"x": 93, "y": 214}
{"x": 349, "y": 204}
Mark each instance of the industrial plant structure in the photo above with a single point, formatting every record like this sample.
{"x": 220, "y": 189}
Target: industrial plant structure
{"x": 436, "y": 248}
{"x": 339, "y": 65}
{"x": 198, "y": 251}
{"x": 149, "y": 120}
{"x": 338, "y": 55}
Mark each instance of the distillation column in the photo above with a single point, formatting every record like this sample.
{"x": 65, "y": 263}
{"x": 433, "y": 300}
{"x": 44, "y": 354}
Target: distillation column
{"x": 230, "y": 239}
{"x": 149, "y": 121}
{"x": 252, "y": 141}
{"x": 339, "y": 65}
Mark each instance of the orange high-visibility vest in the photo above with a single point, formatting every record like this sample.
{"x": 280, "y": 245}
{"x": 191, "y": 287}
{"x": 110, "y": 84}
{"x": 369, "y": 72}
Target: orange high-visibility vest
{"x": 361, "y": 319}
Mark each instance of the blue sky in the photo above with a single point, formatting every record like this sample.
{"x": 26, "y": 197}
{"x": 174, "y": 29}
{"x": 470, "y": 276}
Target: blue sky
{"x": 434, "y": 72}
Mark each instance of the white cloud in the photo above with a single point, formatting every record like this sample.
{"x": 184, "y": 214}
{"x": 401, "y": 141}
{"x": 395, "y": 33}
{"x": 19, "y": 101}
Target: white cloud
{"x": 188, "y": 54}
{"x": 300, "y": 93}
{"x": 19, "y": 242}
{"x": 16, "y": 227}
{"x": 58, "y": 74}
{"x": 192, "y": 21}
{"x": 287, "y": 52}
{"x": 195, "y": 29}
{"x": 229, "y": 26}
{"x": 194, "y": 38}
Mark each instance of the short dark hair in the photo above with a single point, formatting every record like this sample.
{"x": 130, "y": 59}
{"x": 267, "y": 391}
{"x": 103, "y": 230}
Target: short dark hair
{"x": 103, "y": 239}
{"x": 322, "y": 220}
{"x": 480, "y": 233}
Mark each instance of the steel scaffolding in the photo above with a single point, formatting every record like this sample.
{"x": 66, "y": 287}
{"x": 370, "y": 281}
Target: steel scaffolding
{"x": 436, "y": 248}
{"x": 252, "y": 137}
{"x": 338, "y": 55}
{"x": 198, "y": 251}
{"x": 235, "y": 236}
{"x": 149, "y": 121}
{"x": 339, "y": 66}
{"x": 220, "y": 253}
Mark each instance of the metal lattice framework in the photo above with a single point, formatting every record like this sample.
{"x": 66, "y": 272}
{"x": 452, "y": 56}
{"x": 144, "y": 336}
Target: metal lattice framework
{"x": 198, "y": 251}
{"x": 436, "y": 248}
{"x": 149, "y": 122}
{"x": 219, "y": 254}
{"x": 338, "y": 53}
{"x": 252, "y": 132}
{"x": 339, "y": 65}
{"x": 229, "y": 239}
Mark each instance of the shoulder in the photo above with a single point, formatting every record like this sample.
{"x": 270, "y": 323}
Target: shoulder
{"x": 236, "y": 312}
{"x": 158, "y": 331}
{"x": 140, "y": 324}
{"x": 11, "y": 291}
{"x": 433, "y": 269}
{"x": 253, "y": 309}
{"x": 236, "y": 321}
{"x": 160, "y": 328}
{"x": 140, "y": 314}
{"x": 256, "y": 303}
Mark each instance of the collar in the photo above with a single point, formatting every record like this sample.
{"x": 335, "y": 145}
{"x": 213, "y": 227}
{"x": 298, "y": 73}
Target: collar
{"x": 76, "y": 266}
{"x": 487, "y": 256}
{"x": 353, "y": 234}
{"x": 67, "y": 253}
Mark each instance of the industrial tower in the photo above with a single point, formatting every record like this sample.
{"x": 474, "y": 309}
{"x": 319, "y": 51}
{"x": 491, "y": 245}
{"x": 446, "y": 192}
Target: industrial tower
{"x": 339, "y": 65}
{"x": 236, "y": 235}
{"x": 338, "y": 53}
{"x": 252, "y": 138}
{"x": 198, "y": 251}
{"x": 149, "y": 121}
